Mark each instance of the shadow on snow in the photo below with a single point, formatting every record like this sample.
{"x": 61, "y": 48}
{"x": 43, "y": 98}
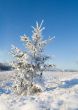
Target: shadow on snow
{"x": 69, "y": 83}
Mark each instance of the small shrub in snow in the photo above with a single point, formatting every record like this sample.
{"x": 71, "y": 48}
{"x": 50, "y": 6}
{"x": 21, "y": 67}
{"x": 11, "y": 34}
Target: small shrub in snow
{"x": 29, "y": 64}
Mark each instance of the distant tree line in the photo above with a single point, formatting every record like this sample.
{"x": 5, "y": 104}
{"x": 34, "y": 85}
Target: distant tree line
{"x": 5, "y": 67}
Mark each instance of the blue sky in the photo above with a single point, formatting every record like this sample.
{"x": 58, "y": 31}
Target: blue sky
{"x": 60, "y": 20}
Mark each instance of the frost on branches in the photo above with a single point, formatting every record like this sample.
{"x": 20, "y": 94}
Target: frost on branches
{"x": 29, "y": 64}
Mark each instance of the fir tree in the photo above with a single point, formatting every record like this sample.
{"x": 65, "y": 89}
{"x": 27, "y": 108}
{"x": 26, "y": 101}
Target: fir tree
{"x": 30, "y": 63}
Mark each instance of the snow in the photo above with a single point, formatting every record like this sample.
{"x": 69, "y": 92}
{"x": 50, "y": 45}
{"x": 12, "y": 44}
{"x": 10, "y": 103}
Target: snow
{"x": 61, "y": 93}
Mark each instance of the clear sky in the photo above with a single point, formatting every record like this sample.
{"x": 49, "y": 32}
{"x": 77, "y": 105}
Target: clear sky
{"x": 60, "y": 20}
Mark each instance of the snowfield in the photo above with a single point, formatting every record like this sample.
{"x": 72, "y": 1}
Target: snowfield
{"x": 60, "y": 93}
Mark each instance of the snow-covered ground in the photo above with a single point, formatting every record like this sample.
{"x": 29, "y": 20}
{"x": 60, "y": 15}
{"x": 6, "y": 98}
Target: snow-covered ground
{"x": 60, "y": 93}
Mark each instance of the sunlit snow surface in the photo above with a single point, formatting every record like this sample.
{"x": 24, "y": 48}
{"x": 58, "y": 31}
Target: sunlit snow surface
{"x": 60, "y": 93}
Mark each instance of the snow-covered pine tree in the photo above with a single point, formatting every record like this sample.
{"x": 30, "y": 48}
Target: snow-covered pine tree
{"x": 30, "y": 63}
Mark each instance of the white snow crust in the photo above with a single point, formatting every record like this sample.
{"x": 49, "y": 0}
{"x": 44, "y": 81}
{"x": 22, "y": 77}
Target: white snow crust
{"x": 60, "y": 93}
